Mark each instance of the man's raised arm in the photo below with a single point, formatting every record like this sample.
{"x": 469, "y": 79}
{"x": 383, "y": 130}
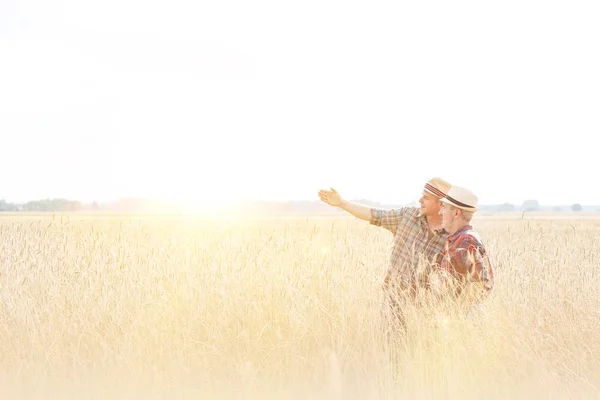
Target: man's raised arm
{"x": 333, "y": 198}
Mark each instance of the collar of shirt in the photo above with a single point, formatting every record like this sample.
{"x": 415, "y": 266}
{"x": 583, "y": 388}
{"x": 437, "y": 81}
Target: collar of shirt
{"x": 459, "y": 231}
{"x": 440, "y": 231}
{"x": 422, "y": 218}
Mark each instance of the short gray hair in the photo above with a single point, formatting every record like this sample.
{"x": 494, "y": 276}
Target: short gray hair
{"x": 467, "y": 215}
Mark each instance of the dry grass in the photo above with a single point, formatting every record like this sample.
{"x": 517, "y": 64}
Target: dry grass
{"x": 284, "y": 308}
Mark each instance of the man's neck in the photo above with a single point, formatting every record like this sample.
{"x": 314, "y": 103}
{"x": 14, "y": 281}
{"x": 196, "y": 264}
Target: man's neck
{"x": 457, "y": 226}
{"x": 434, "y": 221}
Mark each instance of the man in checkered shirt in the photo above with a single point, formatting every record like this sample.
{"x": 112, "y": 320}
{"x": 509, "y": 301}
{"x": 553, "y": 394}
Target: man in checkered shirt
{"x": 463, "y": 269}
{"x": 418, "y": 239}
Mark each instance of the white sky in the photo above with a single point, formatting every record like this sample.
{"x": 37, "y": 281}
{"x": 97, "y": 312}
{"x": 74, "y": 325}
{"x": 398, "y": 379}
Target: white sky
{"x": 277, "y": 99}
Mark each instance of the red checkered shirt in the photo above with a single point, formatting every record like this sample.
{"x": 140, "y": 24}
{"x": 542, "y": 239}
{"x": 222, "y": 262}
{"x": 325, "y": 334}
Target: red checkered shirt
{"x": 465, "y": 258}
{"x": 415, "y": 248}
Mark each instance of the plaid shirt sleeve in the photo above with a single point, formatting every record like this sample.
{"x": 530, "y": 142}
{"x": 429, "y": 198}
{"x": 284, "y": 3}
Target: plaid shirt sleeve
{"x": 388, "y": 219}
{"x": 469, "y": 259}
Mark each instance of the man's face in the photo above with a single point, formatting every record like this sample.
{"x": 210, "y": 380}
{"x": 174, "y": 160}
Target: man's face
{"x": 430, "y": 205}
{"x": 448, "y": 214}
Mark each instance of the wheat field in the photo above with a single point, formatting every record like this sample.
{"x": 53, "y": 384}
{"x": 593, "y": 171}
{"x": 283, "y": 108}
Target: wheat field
{"x": 284, "y": 308}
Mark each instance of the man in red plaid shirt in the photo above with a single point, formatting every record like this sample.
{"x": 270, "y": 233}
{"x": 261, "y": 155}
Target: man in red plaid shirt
{"x": 418, "y": 240}
{"x": 464, "y": 265}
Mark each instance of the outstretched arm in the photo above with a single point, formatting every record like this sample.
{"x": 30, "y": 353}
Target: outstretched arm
{"x": 333, "y": 198}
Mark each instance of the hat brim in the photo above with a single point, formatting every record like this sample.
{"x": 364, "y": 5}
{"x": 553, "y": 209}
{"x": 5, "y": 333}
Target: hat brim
{"x": 457, "y": 204}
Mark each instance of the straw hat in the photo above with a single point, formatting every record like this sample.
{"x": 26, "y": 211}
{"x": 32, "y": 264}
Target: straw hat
{"x": 462, "y": 198}
{"x": 437, "y": 187}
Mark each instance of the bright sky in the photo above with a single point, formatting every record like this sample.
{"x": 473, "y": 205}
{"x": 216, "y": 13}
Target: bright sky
{"x": 275, "y": 99}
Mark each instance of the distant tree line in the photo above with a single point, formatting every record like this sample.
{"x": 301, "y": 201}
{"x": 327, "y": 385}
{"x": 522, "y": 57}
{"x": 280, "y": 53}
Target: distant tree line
{"x": 43, "y": 205}
{"x": 5, "y": 206}
{"x": 53, "y": 205}
{"x": 533, "y": 205}
{"x": 64, "y": 205}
